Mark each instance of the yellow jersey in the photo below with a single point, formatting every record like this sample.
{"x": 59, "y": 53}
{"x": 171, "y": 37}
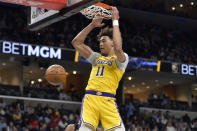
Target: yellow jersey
{"x": 106, "y": 73}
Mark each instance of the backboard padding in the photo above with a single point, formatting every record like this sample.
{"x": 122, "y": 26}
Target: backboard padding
{"x": 51, "y": 16}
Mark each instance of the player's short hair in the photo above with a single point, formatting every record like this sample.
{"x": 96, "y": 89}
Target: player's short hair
{"x": 107, "y": 31}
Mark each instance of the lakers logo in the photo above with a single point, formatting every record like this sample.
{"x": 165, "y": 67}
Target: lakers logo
{"x": 99, "y": 93}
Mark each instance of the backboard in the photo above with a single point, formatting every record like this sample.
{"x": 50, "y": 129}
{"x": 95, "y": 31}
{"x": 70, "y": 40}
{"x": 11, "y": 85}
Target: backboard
{"x": 39, "y": 18}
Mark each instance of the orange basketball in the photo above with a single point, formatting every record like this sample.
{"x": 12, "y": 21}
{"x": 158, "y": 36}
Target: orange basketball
{"x": 55, "y": 75}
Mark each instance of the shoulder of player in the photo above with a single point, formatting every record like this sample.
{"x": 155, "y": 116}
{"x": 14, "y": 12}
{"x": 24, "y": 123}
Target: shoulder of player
{"x": 122, "y": 66}
{"x": 126, "y": 55}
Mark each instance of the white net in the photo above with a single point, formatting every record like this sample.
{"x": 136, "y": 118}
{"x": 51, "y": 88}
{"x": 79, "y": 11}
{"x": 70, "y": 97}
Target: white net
{"x": 95, "y": 11}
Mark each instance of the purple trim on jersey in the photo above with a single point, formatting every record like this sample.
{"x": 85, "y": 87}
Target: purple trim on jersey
{"x": 81, "y": 118}
{"x": 114, "y": 127}
{"x": 89, "y": 124}
{"x": 99, "y": 93}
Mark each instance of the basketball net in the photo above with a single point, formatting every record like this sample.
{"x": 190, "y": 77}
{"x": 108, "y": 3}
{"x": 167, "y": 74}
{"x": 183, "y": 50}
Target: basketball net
{"x": 99, "y": 10}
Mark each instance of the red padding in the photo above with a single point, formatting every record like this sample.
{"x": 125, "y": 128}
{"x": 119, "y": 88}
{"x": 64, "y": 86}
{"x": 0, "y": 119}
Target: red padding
{"x": 47, "y": 4}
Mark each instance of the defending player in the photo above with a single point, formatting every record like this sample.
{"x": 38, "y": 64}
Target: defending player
{"x": 107, "y": 70}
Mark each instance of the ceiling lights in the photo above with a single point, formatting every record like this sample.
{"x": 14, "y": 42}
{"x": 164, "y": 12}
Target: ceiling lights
{"x": 129, "y": 78}
{"x": 173, "y": 8}
{"x": 181, "y": 5}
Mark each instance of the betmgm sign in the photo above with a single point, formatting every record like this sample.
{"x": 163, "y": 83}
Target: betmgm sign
{"x": 23, "y": 49}
{"x": 188, "y": 69}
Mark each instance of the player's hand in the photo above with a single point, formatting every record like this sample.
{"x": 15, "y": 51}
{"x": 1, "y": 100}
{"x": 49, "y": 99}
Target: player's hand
{"x": 115, "y": 13}
{"x": 70, "y": 127}
{"x": 97, "y": 22}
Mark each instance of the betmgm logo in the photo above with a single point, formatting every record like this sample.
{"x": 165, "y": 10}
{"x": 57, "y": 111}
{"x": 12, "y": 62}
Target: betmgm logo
{"x": 188, "y": 70}
{"x": 30, "y": 50}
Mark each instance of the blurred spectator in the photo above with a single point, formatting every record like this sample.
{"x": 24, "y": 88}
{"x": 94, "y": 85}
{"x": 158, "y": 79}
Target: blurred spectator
{"x": 11, "y": 127}
{"x": 64, "y": 96}
{"x": 30, "y": 109}
{"x": 3, "y": 124}
{"x": 63, "y": 123}
{"x": 170, "y": 127}
{"x": 2, "y": 112}
{"x": 186, "y": 118}
{"x": 164, "y": 100}
{"x": 193, "y": 99}
{"x": 130, "y": 109}
{"x": 2, "y": 103}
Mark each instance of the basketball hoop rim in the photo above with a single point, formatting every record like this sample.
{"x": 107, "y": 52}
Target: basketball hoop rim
{"x": 89, "y": 11}
{"x": 108, "y": 7}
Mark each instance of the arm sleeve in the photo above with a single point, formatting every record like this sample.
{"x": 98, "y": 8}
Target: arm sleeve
{"x": 123, "y": 66}
{"x": 93, "y": 57}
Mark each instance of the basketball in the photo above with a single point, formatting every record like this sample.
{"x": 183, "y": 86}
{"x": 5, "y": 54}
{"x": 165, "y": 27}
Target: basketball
{"x": 55, "y": 75}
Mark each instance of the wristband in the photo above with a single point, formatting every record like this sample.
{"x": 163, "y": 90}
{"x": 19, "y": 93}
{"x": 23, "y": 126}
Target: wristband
{"x": 115, "y": 23}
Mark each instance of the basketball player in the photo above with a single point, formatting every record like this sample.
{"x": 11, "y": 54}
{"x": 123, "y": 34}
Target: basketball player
{"x": 107, "y": 69}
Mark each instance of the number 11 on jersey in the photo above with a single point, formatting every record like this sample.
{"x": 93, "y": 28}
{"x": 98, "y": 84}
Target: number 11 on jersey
{"x": 98, "y": 71}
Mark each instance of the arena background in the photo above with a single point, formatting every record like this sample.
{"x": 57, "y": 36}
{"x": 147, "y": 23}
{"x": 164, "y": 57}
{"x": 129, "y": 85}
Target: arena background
{"x": 158, "y": 91}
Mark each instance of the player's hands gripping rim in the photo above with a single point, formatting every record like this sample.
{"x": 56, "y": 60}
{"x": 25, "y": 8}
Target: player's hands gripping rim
{"x": 97, "y": 22}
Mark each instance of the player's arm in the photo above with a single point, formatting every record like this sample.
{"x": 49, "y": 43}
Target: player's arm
{"x": 117, "y": 39}
{"x": 78, "y": 41}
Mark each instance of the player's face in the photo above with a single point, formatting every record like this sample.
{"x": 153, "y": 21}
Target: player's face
{"x": 106, "y": 45}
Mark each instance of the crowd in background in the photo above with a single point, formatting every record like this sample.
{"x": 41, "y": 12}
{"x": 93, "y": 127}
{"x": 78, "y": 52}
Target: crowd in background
{"x": 141, "y": 120}
{"x": 20, "y": 116}
{"x": 139, "y": 39}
